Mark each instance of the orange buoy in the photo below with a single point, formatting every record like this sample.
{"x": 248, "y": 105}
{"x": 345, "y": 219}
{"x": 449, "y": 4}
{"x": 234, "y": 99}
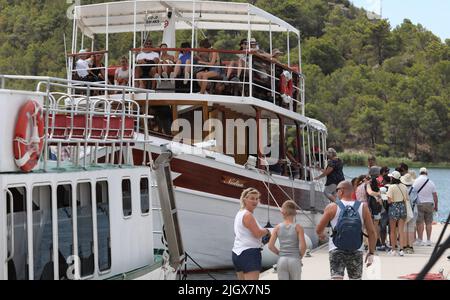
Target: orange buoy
{"x": 29, "y": 136}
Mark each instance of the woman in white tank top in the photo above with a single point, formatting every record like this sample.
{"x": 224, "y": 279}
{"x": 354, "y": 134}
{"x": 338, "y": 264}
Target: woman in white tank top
{"x": 247, "y": 244}
{"x": 122, "y": 74}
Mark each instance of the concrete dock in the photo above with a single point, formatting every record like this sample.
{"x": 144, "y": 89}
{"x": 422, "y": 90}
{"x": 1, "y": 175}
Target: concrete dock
{"x": 385, "y": 267}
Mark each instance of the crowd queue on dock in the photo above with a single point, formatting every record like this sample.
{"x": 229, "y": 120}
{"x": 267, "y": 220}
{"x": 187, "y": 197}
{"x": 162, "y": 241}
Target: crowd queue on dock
{"x": 381, "y": 211}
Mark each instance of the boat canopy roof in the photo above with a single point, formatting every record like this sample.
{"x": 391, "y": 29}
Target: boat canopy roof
{"x": 150, "y": 15}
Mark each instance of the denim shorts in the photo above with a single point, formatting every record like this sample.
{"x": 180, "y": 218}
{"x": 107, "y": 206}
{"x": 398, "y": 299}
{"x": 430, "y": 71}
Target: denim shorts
{"x": 249, "y": 261}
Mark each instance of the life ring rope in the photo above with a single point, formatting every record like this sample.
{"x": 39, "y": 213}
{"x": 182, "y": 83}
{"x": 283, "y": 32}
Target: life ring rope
{"x": 27, "y": 152}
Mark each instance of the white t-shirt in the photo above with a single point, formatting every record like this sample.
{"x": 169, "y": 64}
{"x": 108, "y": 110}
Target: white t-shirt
{"x": 426, "y": 194}
{"x": 336, "y": 219}
{"x": 147, "y": 56}
{"x": 82, "y": 67}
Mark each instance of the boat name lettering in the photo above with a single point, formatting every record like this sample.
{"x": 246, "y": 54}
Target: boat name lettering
{"x": 233, "y": 181}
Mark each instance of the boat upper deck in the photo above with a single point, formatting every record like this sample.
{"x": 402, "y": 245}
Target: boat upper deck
{"x": 252, "y": 70}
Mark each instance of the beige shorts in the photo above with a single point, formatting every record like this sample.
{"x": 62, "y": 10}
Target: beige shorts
{"x": 426, "y": 211}
{"x": 330, "y": 190}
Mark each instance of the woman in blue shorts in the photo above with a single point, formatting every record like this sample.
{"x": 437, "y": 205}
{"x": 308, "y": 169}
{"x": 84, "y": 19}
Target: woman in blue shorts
{"x": 247, "y": 256}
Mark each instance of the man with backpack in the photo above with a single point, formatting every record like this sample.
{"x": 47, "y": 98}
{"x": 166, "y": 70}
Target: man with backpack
{"x": 348, "y": 218}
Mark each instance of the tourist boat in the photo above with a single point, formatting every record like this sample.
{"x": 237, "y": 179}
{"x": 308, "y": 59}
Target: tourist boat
{"x": 65, "y": 213}
{"x": 248, "y": 130}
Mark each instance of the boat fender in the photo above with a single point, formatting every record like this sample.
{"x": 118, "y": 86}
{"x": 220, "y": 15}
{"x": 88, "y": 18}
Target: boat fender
{"x": 28, "y": 144}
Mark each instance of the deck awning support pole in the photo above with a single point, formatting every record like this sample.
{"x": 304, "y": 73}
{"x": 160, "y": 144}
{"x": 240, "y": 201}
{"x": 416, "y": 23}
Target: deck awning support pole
{"x": 272, "y": 66}
{"x": 192, "y": 45}
{"x": 288, "y": 49}
{"x": 107, "y": 48}
{"x": 301, "y": 81}
{"x": 250, "y": 61}
{"x": 259, "y": 138}
{"x": 305, "y": 169}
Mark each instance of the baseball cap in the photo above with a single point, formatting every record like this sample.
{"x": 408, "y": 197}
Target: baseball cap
{"x": 277, "y": 52}
{"x": 423, "y": 170}
{"x": 395, "y": 175}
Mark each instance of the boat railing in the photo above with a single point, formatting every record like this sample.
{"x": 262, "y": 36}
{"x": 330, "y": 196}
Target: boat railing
{"x": 81, "y": 125}
{"x": 260, "y": 76}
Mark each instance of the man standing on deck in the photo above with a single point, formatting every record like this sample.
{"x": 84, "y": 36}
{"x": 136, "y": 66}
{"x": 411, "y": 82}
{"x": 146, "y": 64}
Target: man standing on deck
{"x": 334, "y": 174}
{"x": 427, "y": 205}
{"x": 346, "y": 246}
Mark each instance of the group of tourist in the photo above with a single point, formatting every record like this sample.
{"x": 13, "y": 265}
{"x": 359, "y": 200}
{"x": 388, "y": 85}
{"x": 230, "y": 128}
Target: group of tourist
{"x": 155, "y": 65}
{"x": 392, "y": 209}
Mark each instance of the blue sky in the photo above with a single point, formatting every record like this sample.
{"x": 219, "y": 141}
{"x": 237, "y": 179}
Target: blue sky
{"x": 432, "y": 14}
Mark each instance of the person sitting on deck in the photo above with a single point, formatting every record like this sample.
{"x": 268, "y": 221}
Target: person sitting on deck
{"x": 206, "y": 73}
{"x": 183, "y": 63}
{"x": 98, "y": 68}
{"x": 83, "y": 67}
{"x": 167, "y": 62}
{"x": 122, "y": 74}
{"x": 147, "y": 58}
{"x": 232, "y": 72}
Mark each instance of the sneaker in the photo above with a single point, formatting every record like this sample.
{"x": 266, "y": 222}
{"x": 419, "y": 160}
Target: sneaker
{"x": 187, "y": 77}
{"x": 428, "y": 243}
{"x": 401, "y": 253}
{"x": 411, "y": 250}
{"x": 235, "y": 80}
{"x": 381, "y": 248}
{"x": 164, "y": 75}
{"x": 393, "y": 253}
{"x": 418, "y": 243}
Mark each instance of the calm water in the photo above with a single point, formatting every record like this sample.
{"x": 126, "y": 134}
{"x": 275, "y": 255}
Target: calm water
{"x": 440, "y": 177}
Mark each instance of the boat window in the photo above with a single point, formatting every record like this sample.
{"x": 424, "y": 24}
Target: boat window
{"x": 65, "y": 228}
{"x": 103, "y": 226}
{"x": 145, "y": 196}
{"x": 17, "y": 263}
{"x": 85, "y": 229}
{"x": 126, "y": 198}
{"x": 42, "y": 233}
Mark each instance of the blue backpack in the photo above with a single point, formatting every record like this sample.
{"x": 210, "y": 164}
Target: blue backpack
{"x": 347, "y": 235}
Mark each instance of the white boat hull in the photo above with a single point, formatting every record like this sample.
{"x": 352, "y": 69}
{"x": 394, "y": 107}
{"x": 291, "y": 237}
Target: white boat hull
{"x": 207, "y": 223}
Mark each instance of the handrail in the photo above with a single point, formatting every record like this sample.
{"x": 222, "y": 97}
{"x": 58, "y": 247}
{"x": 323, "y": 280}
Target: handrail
{"x": 87, "y": 53}
{"x": 11, "y": 199}
{"x": 83, "y": 84}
